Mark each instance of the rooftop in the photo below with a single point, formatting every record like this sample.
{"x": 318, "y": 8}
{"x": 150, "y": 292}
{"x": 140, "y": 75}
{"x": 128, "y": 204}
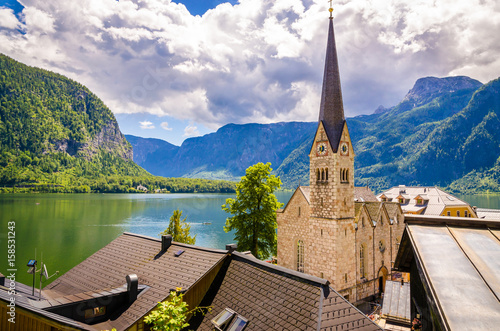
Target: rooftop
{"x": 270, "y": 296}
{"x": 459, "y": 258}
{"x": 140, "y": 255}
{"x": 434, "y": 200}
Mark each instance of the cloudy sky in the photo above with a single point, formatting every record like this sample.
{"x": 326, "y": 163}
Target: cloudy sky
{"x": 176, "y": 69}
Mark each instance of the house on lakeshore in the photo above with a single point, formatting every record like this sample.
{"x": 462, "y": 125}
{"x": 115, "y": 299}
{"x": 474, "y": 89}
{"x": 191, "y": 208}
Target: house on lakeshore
{"x": 455, "y": 271}
{"x": 123, "y": 282}
{"x": 332, "y": 229}
{"x": 425, "y": 200}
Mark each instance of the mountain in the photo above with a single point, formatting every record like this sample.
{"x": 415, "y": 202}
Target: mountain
{"x": 55, "y": 130}
{"x": 224, "y": 154}
{"x": 152, "y": 153}
{"x": 443, "y": 132}
{"x": 57, "y": 136}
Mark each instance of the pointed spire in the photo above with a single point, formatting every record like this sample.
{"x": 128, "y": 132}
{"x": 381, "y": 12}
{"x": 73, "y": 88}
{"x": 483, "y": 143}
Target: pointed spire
{"x": 331, "y": 111}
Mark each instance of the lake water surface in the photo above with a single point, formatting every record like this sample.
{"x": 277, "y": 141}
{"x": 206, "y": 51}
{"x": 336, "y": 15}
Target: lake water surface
{"x": 67, "y": 228}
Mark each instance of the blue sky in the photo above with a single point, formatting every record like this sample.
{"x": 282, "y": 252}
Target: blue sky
{"x": 178, "y": 69}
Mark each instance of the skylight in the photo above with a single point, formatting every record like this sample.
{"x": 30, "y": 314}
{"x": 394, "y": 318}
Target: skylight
{"x": 229, "y": 320}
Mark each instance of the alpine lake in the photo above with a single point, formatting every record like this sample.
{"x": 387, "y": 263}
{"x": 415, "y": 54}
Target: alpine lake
{"x": 64, "y": 229}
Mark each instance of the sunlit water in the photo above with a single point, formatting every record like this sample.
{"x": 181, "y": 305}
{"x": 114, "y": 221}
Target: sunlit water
{"x": 67, "y": 228}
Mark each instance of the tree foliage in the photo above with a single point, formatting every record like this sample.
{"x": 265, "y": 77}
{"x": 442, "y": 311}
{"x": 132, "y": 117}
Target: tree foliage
{"x": 254, "y": 211}
{"x": 179, "y": 229}
{"x": 171, "y": 315}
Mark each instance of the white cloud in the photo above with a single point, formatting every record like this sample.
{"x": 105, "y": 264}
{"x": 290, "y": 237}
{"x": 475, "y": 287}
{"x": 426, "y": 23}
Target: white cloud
{"x": 8, "y": 19}
{"x": 164, "y": 126}
{"x": 257, "y": 61}
{"x": 147, "y": 125}
{"x": 191, "y": 131}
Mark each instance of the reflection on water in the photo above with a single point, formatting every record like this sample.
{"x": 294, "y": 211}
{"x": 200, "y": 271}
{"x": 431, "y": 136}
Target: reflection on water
{"x": 67, "y": 228}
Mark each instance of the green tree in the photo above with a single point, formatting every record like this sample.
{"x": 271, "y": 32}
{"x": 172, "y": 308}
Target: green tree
{"x": 179, "y": 229}
{"x": 254, "y": 211}
{"x": 171, "y": 315}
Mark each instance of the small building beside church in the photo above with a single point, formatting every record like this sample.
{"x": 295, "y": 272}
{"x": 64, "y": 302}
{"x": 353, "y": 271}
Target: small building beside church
{"x": 425, "y": 200}
{"x": 331, "y": 229}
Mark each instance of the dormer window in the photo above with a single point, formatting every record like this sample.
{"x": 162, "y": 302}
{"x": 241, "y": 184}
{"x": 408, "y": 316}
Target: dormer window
{"x": 420, "y": 202}
{"x": 229, "y": 320}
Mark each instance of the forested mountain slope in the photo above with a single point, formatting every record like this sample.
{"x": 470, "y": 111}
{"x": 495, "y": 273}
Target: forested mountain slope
{"x": 57, "y": 136}
{"x": 444, "y": 132}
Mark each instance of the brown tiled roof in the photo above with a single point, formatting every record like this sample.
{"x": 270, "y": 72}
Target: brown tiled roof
{"x": 276, "y": 298}
{"x": 364, "y": 193}
{"x": 338, "y": 314}
{"x": 140, "y": 255}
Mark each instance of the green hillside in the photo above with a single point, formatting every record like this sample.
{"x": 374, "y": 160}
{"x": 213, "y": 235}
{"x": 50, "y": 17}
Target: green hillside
{"x": 444, "y": 132}
{"x": 57, "y": 136}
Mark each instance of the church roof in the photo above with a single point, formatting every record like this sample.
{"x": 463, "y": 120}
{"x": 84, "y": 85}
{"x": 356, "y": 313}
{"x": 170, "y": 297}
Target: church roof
{"x": 363, "y": 194}
{"x": 331, "y": 111}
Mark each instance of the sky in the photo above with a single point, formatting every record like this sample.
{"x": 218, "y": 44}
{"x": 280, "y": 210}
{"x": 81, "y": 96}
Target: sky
{"x": 178, "y": 69}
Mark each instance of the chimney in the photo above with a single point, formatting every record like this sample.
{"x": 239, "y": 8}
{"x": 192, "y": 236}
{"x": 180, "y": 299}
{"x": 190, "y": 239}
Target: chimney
{"x": 132, "y": 287}
{"x": 231, "y": 248}
{"x": 166, "y": 242}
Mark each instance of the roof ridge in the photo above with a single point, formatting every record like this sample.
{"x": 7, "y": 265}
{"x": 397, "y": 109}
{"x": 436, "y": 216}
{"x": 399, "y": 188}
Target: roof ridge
{"x": 313, "y": 280}
{"x": 201, "y": 248}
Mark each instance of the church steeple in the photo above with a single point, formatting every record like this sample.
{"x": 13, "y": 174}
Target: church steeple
{"x": 331, "y": 111}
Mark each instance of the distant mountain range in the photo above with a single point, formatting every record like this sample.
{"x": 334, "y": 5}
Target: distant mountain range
{"x": 445, "y": 132}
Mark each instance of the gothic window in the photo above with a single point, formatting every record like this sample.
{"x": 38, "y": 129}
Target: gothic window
{"x": 326, "y": 174}
{"x": 317, "y": 174}
{"x": 347, "y": 175}
{"x": 300, "y": 255}
{"x": 322, "y": 174}
{"x": 299, "y": 211}
{"x": 362, "y": 261}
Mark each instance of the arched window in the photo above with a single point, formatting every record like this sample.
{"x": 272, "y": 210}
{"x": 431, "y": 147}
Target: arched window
{"x": 326, "y": 174}
{"x": 300, "y": 255}
{"x": 317, "y": 174}
{"x": 362, "y": 261}
{"x": 341, "y": 175}
{"x": 322, "y": 174}
{"x": 347, "y": 175}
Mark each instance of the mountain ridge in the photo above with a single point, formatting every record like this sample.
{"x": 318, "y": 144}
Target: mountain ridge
{"x": 391, "y": 144}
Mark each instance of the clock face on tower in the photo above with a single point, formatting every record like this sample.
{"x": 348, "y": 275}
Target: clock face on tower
{"x": 321, "y": 148}
{"x": 344, "y": 148}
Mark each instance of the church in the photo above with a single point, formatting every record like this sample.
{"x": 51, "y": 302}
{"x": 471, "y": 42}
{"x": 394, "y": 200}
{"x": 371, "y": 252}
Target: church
{"x": 328, "y": 229}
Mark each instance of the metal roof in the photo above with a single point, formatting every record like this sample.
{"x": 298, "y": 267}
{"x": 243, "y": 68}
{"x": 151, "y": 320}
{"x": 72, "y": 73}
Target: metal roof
{"x": 461, "y": 262}
{"x": 396, "y": 305}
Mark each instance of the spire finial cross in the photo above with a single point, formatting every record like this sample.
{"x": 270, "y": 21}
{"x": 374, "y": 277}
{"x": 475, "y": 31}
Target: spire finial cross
{"x": 331, "y": 8}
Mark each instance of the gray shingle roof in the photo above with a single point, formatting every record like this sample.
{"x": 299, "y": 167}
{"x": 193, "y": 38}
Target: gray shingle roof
{"x": 275, "y": 298}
